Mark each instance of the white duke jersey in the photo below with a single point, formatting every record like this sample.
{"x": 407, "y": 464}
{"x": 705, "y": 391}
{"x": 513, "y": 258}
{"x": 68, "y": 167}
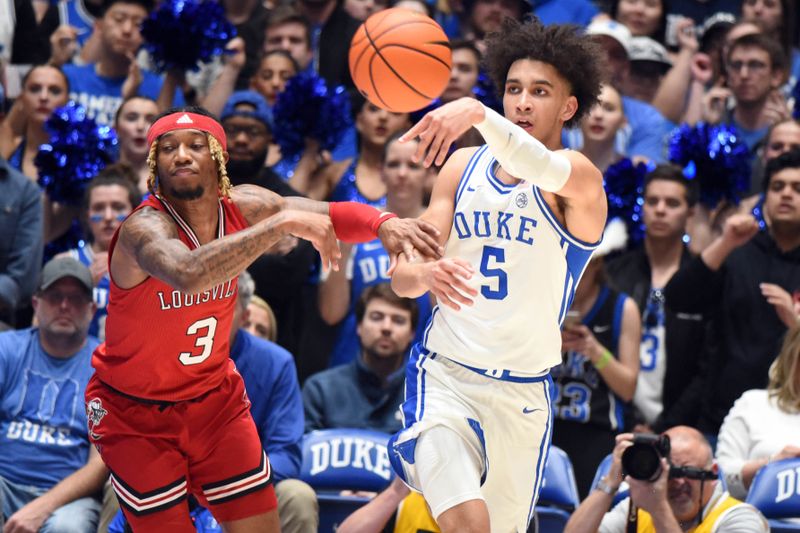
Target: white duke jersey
{"x": 526, "y": 269}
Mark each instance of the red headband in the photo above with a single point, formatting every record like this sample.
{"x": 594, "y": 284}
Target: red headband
{"x": 186, "y": 121}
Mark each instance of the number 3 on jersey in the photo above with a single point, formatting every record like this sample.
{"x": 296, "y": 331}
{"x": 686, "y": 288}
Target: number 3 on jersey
{"x": 206, "y": 342}
{"x": 492, "y": 254}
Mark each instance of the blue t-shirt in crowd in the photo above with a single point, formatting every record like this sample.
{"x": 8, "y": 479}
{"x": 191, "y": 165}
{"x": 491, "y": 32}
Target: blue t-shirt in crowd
{"x": 271, "y": 382}
{"x": 578, "y": 12}
{"x": 43, "y": 431}
{"x": 369, "y": 263}
{"x": 74, "y": 13}
{"x": 102, "y": 96}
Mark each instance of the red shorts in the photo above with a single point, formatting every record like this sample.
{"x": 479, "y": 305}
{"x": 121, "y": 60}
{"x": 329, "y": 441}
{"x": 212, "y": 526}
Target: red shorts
{"x": 158, "y": 454}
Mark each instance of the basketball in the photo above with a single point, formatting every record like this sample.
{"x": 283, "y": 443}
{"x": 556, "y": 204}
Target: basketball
{"x": 400, "y": 60}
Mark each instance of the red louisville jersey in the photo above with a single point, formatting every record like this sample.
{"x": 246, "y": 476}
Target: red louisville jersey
{"x": 162, "y": 344}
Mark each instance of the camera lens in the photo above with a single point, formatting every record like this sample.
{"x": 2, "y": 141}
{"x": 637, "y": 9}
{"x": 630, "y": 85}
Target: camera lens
{"x": 642, "y": 461}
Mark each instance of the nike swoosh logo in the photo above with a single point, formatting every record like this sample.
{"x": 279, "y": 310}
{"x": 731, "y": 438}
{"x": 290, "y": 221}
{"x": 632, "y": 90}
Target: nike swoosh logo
{"x": 470, "y": 189}
{"x": 601, "y": 329}
{"x": 527, "y": 411}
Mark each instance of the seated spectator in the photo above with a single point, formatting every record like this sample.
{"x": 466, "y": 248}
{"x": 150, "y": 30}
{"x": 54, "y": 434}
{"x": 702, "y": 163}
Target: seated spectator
{"x": 672, "y": 503}
{"x": 334, "y": 29}
{"x": 580, "y": 12}
{"x": 776, "y": 18}
{"x": 484, "y": 16}
{"x": 644, "y": 18}
{"x": 362, "y": 9}
{"x": 600, "y": 361}
{"x": 289, "y": 30}
{"x": 20, "y": 257}
{"x": 368, "y": 392}
{"x": 368, "y": 263}
{"x": 763, "y": 426}
{"x": 49, "y": 474}
{"x": 600, "y": 127}
{"x": 270, "y": 379}
{"x": 109, "y": 198}
{"x": 670, "y": 384}
{"x": 131, "y": 123}
{"x": 274, "y": 69}
{"x": 102, "y": 86}
{"x": 744, "y": 274}
{"x": 396, "y": 508}
{"x": 464, "y": 74}
{"x": 649, "y": 64}
{"x": 261, "y": 320}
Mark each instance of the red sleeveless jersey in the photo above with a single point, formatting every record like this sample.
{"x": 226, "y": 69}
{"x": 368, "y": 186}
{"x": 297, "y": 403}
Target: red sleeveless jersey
{"x": 162, "y": 344}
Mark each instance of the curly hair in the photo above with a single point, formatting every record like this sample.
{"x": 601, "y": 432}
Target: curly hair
{"x": 574, "y": 55}
{"x": 213, "y": 146}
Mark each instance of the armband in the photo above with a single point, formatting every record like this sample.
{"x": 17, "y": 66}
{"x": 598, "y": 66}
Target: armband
{"x": 354, "y": 222}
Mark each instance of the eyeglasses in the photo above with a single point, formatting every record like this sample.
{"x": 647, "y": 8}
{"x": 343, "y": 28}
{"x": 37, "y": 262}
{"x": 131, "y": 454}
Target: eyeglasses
{"x": 752, "y": 66}
{"x": 94, "y": 219}
{"x": 74, "y": 299}
{"x": 249, "y": 131}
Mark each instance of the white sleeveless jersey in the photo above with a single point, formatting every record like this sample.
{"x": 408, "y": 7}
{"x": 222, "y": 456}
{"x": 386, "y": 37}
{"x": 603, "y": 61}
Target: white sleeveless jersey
{"x": 526, "y": 269}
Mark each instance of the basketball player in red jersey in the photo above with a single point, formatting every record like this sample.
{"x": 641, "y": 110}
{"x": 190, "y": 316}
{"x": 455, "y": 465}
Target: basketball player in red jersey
{"x": 166, "y": 408}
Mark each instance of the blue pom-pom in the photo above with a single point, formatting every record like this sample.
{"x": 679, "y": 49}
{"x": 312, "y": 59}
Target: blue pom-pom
{"x": 72, "y": 238}
{"x": 307, "y": 108}
{"x": 796, "y": 99}
{"x": 624, "y": 185}
{"x": 78, "y": 149}
{"x": 717, "y": 157}
{"x": 181, "y": 34}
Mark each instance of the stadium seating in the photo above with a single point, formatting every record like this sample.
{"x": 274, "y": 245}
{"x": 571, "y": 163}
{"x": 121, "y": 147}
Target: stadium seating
{"x": 775, "y": 491}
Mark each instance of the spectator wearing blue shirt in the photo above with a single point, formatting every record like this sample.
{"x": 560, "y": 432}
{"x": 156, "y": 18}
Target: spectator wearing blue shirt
{"x": 647, "y": 128}
{"x": 21, "y": 248}
{"x": 102, "y": 86}
{"x": 755, "y": 67}
{"x": 580, "y": 12}
{"x": 48, "y": 471}
{"x": 367, "y": 393}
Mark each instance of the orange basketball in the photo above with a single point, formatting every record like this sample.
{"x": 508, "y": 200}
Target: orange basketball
{"x": 400, "y": 60}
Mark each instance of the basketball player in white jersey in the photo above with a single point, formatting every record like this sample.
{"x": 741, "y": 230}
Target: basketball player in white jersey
{"x": 520, "y": 218}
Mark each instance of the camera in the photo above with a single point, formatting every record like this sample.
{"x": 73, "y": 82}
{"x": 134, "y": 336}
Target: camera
{"x": 642, "y": 460}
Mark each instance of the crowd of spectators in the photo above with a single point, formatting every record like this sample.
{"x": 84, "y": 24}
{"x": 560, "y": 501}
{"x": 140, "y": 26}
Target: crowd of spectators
{"x": 693, "y": 326}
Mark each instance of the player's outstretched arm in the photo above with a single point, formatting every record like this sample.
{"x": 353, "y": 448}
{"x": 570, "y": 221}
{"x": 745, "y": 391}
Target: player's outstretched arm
{"x": 150, "y": 240}
{"x": 353, "y": 222}
{"x": 445, "y": 278}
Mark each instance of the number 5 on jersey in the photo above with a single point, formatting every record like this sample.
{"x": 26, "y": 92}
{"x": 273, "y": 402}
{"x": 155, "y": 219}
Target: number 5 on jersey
{"x": 206, "y": 342}
{"x": 496, "y": 256}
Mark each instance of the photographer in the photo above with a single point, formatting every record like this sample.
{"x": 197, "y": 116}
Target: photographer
{"x": 685, "y": 495}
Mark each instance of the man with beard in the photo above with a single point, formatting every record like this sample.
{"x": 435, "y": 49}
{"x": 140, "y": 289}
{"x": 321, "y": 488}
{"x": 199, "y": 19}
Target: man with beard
{"x": 282, "y": 273}
{"x": 748, "y": 281}
{"x": 168, "y": 411}
{"x": 367, "y": 393}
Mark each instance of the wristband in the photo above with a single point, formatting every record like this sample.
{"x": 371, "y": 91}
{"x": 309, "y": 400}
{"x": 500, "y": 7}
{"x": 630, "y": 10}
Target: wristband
{"x": 355, "y": 223}
{"x": 604, "y": 359}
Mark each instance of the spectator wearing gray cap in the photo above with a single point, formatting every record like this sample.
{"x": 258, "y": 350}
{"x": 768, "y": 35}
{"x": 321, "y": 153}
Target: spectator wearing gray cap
{"x": 43, "y": 374}
{"x": 647, "y": 128}
{"x": 649, "y": 63}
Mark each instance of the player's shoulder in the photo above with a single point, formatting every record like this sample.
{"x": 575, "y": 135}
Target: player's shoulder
{"x": 147, "y": 223}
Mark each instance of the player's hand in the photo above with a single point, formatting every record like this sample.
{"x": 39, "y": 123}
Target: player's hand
{"x": 28, "y": 519}
{"x": 788, "y": 310}
{"x": 409, "y": 236}
{"x": 739, "y": 229}
{"x": 447, "y": 280}
{"x": 318, "y": 230}
{"x": 441, "y": 127}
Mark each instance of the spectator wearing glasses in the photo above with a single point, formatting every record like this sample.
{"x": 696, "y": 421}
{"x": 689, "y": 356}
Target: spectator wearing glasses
{"x": 43, "y": 373}
{"x": 669, "y": 385}
{"x": 109, "y": 198}
{"x": 756, "y": 68}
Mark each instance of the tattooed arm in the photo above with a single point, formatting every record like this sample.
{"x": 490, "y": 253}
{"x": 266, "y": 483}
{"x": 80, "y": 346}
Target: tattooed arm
{"x": 149, "y": 245}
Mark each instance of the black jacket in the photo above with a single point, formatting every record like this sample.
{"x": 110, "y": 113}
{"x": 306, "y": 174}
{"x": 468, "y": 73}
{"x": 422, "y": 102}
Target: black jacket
{"x": 334, "y": 43}
{"x": 747, "y": 330}
{"x": 685, "y": 333}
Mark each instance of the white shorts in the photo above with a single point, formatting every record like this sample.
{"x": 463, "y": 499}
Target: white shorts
{"x": 509, "y": 421}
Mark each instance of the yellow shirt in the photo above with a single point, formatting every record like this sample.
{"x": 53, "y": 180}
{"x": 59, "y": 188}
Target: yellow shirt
{"x": 413, "y": 516}
{"x": 644, "y": 521}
